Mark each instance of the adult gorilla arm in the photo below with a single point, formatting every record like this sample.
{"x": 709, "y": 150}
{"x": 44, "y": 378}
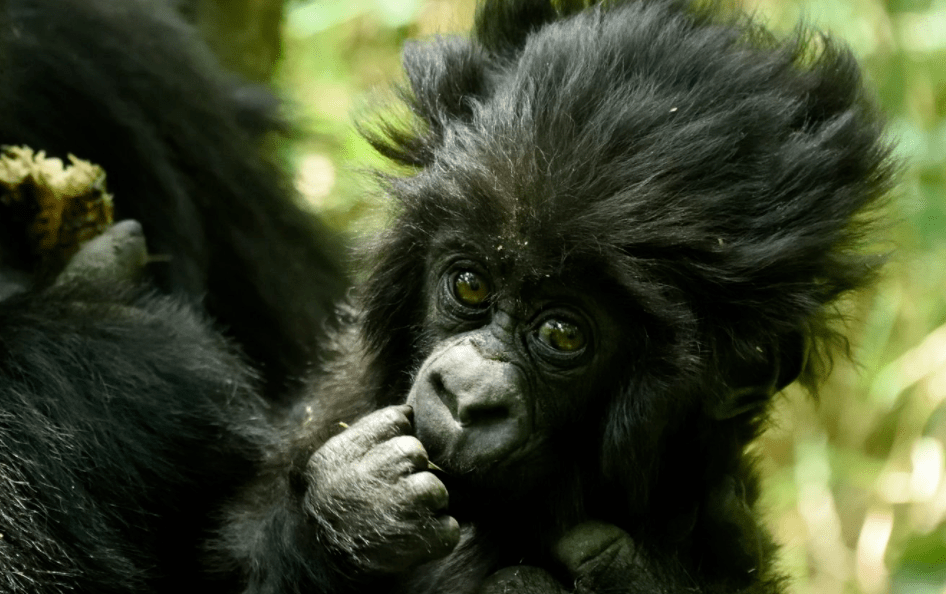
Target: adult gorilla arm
{"x": 122, "y": 428}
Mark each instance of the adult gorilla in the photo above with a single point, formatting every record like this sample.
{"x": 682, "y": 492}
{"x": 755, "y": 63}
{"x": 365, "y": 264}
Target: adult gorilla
{"x": 619, "y": 232}
{"x": 124, "y": 420}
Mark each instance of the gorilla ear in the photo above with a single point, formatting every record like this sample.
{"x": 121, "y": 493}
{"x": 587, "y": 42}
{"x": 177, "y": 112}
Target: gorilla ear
{"x": 753, "y": 380}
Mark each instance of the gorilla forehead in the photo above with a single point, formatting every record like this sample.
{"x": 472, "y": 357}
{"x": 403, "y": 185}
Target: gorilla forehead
{"x": 531, "y": 221}
{"x": 525, "y": 263}
{"x": 519, "y": 201}
{"x": 686, "y": 154}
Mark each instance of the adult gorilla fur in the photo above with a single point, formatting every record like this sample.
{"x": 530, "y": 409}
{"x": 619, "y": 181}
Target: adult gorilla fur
{"x": 698, "y": 189}
{"x": 125, "y": 421}
{"x": 126, "y": 85}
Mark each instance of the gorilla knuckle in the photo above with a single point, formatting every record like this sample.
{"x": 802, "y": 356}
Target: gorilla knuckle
{"x": 427, "y": 489}
{"x": 448, "y": 532}
{"x": 411, "y": 449}
{"x": 392, "y": 421}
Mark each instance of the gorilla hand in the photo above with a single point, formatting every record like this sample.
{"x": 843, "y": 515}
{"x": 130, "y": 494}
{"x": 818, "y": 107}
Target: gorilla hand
{"x": 373, "y": 499}
{"x": 118, "y": 254}
{"x": 521, "y": 579}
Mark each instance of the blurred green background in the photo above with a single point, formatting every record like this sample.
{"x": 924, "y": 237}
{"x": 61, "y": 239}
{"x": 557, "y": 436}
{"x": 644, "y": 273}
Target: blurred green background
{"x": 855, "y": 486}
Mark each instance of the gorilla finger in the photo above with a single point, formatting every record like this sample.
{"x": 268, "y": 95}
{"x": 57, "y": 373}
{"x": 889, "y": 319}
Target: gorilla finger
{"x": 117, "y": 254}
{"x": 398, "y": 456}
{"x": 446, "y": 536}
{"x": 426, "y": 489}
{"x": 371, "y": 430}
{"x": 435, "y": 538}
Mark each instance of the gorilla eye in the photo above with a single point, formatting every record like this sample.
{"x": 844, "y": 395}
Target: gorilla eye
{"x": 561, "y": 335}
{"x": 470, "y": 288}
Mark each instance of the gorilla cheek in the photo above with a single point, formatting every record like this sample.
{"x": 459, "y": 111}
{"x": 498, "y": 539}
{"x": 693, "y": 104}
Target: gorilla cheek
{"x": 469, "y": 411}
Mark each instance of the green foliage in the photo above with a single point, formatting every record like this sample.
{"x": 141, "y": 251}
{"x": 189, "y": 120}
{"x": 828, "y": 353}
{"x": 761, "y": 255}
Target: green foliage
{"x": 878, "y": 523}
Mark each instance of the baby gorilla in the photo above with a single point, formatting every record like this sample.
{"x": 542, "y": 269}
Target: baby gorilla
{"x": 619, "y": 231}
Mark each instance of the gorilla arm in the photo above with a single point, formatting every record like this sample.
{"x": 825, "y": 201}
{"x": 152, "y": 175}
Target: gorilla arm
{"x": 126, "y": 419}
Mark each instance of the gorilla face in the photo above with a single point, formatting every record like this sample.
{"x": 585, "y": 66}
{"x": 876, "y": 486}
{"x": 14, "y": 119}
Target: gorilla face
{"x": 513, "y": 363}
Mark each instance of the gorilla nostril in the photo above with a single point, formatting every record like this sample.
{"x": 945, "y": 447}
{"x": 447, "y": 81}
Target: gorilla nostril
{"x": 448, "y": 398}
{"x": 482, "y": 414}
{"x": 436, "y": 381}
{"x": 476, "y": 393}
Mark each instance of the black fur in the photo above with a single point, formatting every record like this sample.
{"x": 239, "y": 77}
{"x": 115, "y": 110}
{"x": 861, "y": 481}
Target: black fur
{"x": 125, "y": 84}
{"x": 705, "y": 184}
{"x": 126, "y": 418}
{"x": 124, "y": 423}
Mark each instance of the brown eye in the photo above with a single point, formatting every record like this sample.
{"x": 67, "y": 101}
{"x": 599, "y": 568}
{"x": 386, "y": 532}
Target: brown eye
{"x": 470, "y": 288}
{"x": 562, "y": 336}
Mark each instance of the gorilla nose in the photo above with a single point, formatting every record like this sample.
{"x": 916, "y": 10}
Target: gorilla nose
{"x": 477, "y": 391}
{"x": 469, "y": 409}
{"x": 477, "y": 402}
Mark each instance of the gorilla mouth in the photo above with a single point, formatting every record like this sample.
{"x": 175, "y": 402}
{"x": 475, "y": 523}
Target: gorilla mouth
{"x": 522, "y": 466}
